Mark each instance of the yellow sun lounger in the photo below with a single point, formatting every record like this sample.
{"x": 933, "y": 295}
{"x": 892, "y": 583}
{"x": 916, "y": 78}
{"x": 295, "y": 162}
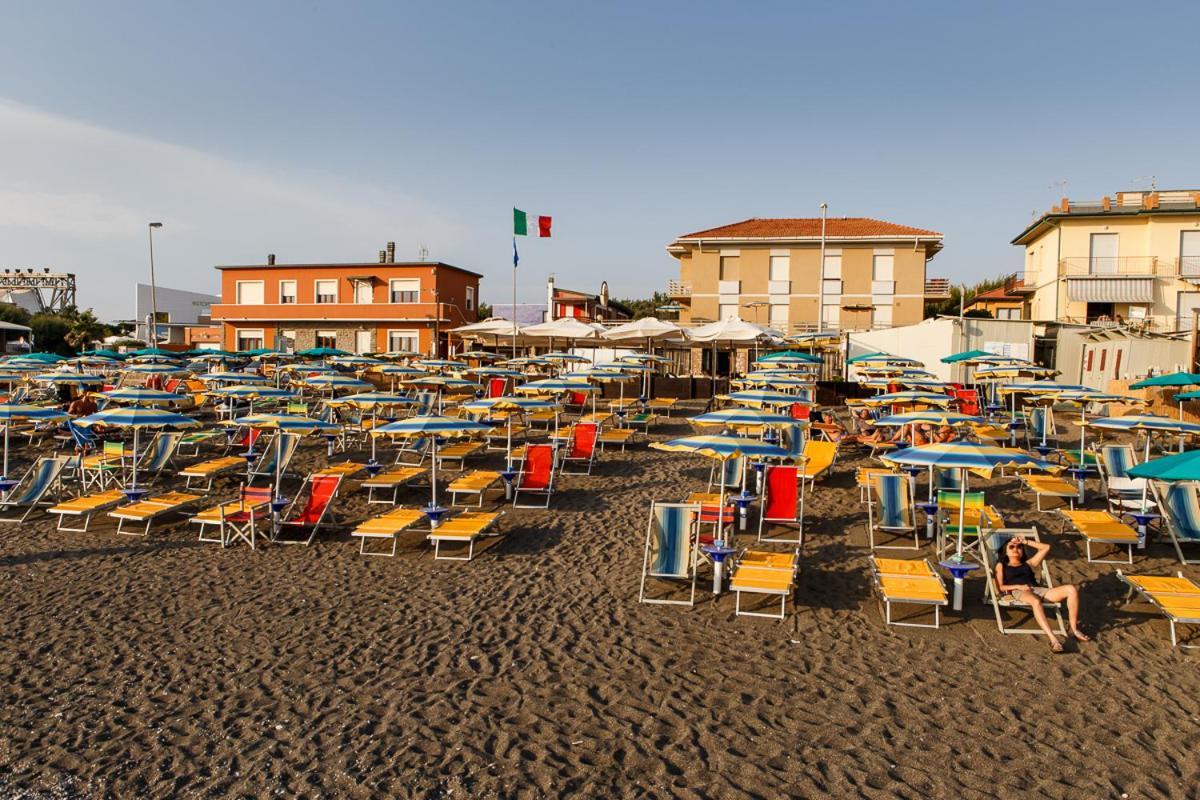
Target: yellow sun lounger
{"x": 477, "y": 482}
{"x": 211, "y": 470}
{"x": 1103, "y": 527}
{"x": 617, "y": 437}
{"x": 86, "y": 507}
{"x": 391, "y": 479}
{"x": 764, "y": 572}
{"x": 386, "y": 526}
{"x": 908, "y": 582}
{"x": 663, "y": 404}
{"x": 1050, "y": 486}
{"x": 461, "y": 451}
{"x": 345, "y": 469}
{"x": 151, "y": 509}
{"x": 1177, "y": 598}
{"x": 462, "y": 529}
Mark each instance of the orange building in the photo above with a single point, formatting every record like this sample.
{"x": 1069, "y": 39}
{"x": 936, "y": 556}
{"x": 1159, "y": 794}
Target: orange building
{"x": 360, "y": 307}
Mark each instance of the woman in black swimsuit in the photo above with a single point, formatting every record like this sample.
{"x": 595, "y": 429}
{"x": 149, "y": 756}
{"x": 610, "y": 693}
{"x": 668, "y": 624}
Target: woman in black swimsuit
{"x": 1015, "y": 575}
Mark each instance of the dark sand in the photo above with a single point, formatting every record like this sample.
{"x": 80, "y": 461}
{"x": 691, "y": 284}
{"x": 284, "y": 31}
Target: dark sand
{"x": 165, "y": 667}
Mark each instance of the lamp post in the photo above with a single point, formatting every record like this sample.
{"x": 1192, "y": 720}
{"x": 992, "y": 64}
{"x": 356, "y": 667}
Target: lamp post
{"x": 153, "y": 289}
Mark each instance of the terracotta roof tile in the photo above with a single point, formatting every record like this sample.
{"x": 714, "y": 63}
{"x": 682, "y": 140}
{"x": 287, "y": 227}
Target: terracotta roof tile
{"x": 836, "y": 228}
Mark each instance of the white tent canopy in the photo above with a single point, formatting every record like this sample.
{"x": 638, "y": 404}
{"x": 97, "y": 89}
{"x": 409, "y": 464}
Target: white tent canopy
{"x": 492, "y": 326}
{"x": 564, "y": 328}
{"x": 732, "y": 330}
{"x": 648, "y": 328}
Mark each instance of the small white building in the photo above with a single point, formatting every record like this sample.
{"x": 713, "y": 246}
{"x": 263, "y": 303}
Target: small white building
{"x": 177, "y": 309}
{"x": 931, "y": 340}
{"x": 1096, "y": 356}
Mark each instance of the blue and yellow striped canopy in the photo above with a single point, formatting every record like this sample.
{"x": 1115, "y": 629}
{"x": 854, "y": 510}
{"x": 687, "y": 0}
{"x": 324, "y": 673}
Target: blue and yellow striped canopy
{"x": 444, "y": 381}
{"x": 338, "y": 382}
{"x": 246, "y": 392}
{"x": 980, "y": 459}
{"x": 14, "y": 411}
{"x": 1178, "y": 467}
{"x": 744, "y": 417}
{"x": 554, "y": 386}
{"x": 497, "y": 372}
{"x": 142, "y": 397}
{"x": 599, "y": 375}
{"x": 71, "y": 378}
{"x": 157, "y": 369}
{"x": 1169, "y": 379}
{"x": 764, "y": 397}
{"x": 137, "y": 417}
{"x": 289, "y": 423}
{"x": 431, "y": 425}
{"x": 1145, "y": 422}
{"x": 908, "y": 398}
{"x": 373, "y": 399}
{"x": 233, "y": 377}
{"x": 441, "y": 363}
{"x": 931, "y": 416}
{"x": 1041, "y": 387}
{"x": 721, "y": 447}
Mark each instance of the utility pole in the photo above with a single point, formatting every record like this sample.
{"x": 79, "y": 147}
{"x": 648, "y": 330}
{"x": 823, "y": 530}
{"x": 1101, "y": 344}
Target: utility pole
{"x": 821, "y": 272}
{"x": 153, "y": 331}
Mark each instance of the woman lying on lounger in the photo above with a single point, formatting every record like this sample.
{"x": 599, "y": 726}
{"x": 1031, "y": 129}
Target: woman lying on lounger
{"x": 1015, "y": 575}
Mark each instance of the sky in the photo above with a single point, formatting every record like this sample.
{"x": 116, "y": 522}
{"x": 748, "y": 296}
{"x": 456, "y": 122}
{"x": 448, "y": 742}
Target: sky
{"x": 320, "y": 131}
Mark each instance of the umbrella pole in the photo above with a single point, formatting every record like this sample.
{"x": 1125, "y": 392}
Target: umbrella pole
{"x": 279, "y": 459}
{"x": 133, "y": 478}
{"x": 373, "y": 423}
{"x": 7, "y": 425}
{"x": 962, "y": 509}
{"x": 433, "y": 476}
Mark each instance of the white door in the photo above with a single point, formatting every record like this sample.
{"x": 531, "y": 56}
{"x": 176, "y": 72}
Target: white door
{"x": 1103, "y": 257}
{"x": 1188, "y": 305}
{"x": 362, "y": 342}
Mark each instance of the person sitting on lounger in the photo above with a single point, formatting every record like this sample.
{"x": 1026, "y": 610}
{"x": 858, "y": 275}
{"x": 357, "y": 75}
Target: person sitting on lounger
{"x": 1015, "y": 575}
{"x": 82, "y": 406}
{"x": 945, "y": 434}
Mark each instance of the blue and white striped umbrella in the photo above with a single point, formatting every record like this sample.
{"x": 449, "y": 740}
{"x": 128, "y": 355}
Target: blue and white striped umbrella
{"x": 565, "y": 357}
{"x": 354, "y": 361}
{"x": 435, "y": 427}
{"x": 764, "y": 397}
{"x": 239, "y": 378}
{"x": 624, "y": 366}
{"x": 13, "y": 412}
{"x": 288, "y": 423}
{"x": 555, "y": 386}
{"x": 441, "y": 363}
{"x": 156, "y": 369}
{"x": 745, "y": 418}
{"x": 497, "y": 372}
{"x": 137, "y": 417}
{"x": 142, "y": 397}
{"x": 70, "y": 378}
{"x": 721, "y": 447}
{"x": 337, "y": 382}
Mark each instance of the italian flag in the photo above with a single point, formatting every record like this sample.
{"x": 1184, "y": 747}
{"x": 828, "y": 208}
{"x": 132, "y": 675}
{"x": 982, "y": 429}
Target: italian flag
{"x": 521, "y": 224}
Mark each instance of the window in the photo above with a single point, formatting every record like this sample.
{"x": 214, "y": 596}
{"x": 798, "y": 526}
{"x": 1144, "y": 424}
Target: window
{"x": 728, "y": 311}
{"x": 250, "y": 339}
{"x": 404, "y": 341}
{"x": 404, "y": 290}
{"x": 363, "y": 291}
{"x": 1102, "y": 258}
{"x": 1189, "y": 253}
{"x": 729, "y": 268}
{"x": 882, "y": 317}
{"x": 883, "y": 268}
{"x": 1090, "y": 353}
{"x": 781, "y": 268}
{"x": 1103, "y": 358}
{"x": 326, "y": 292}
{"x": 326, "y": 339}
{"x": 286, "y": 342}
{"x": 833, "y": 266}
{"x": 1008, "y": 313}
{"x": 832, "y": 287}
{"x": 250, "y": 293}
{"x": 287, "y": 292}
{"x": 830, "y": 315}
{"x": 778, "y": 318}
{"x": 470, "y": 301}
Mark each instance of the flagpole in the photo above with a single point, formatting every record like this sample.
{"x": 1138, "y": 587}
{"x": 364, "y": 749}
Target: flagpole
{"x": 516, "y": 258}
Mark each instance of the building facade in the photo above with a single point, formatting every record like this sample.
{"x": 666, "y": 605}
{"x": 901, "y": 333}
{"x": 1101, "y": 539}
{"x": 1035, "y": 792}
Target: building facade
{"x": 796, "y": 275}
{"x": 1002, "y": 302}
{"x": 584, "y": 306}
{"x": 357, "y": 307}
{"x": 178, "y": 310}
{"x": 1132, "y": 259}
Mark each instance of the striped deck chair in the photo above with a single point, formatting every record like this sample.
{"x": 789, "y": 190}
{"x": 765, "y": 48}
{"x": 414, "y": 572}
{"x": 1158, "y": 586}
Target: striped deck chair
{"x": 949, "y": 480}
{"x": 388, "y": 525}
{"x": 979, "y": 519}
{"x": 1041, "y": 422}
{"x": 1179, "y": 504}
{"x": 782, "y": 506}
{"x": 1178, "y": 599}
{"x": 863, "y": 477}
{"x": 280, "y": 451}
{"x": 670, "y": 551}
{"x": 992, "y": 544}
{"x": 418, "y": 448}
{"x": 890, "y": 511}
{"x": 86, "y": 507}
{"x": 903, "y": 582}
{"x": 322, "y": 489}
{"x": 158, "y": 453}
{"x": 460, "y": 529}
{"x": 727, "y": 473}
{"x": 793, "y": 440}
{"x": 43, "y": 478}
{"x": 536, "y": 475}
{"x": 763, "y": 572}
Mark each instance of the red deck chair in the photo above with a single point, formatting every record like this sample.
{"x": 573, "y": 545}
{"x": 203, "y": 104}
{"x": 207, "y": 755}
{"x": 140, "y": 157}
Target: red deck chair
{"x": 801, "y": 411}
{"x": 782, "y": 504}
{"x": 577, "y": 400}
{"x": 240, "y": 522}
{"x": 321, "y": 491}
{"x": 581, "y": 452}
{"x": 245, "y": 443}
{"x": 536, "y": 475}
{"x": 496, "y": 387}
{"x": 968, "y": 401}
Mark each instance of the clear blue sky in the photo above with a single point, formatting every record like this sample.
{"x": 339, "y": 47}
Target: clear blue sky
{"x": 321, "y": 130}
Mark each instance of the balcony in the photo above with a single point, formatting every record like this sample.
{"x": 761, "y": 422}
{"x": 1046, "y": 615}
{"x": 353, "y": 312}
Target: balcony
{"x": 1142, "y": 266}
{"x": 1023, "y": 282}
{"x": 937, "y": 288}
{"x": 332, "y": 312}
{"x": 678, "y": 290}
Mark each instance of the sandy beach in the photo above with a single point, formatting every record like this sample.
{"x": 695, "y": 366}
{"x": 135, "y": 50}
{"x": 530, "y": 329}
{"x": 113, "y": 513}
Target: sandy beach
{"x": 166, "y": 667}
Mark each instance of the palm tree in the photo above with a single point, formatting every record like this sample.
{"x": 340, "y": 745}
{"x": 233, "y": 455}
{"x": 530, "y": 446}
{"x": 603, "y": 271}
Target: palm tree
{"x": 85, "y": 329}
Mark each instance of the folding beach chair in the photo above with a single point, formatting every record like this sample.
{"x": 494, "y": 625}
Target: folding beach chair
{"x": 209, "y": 471}
{"x": 670, "y": 551}
{"x": 763, "y": 572}
{"x": 581, "y": 449}
{"x": 792, "y": 439}
{"x": 817, "y": 460}
{"x": 727, "y": 473}
{"x": 278, "y": 456}
{"x": 1179, "y": 504}
{"x": 948, "y": 480}
{"x": 782, "y": 505}
{"x": 388, "y": 525}
{"x": 890, "y": 511}
{"x": 150, "y": 510}
{"x": 979, "y": 518}
{"x": 239, "y": 520}
{"x": 102, "y": 469}
{"x": 863, "y": 477}
{"x": 464, "y": 528}
{"x": 418, "y": 448}
{"x": 244, "y": 443}
{"x": 43, "y": 478}
{"x": 1115, "y": 461}
{"x": 1041, "y": 423}
{"x": 321, "y": 491}
{"x": 1178, "y": 599}
{"x": 1102, "y": 527}
{"x": 86, "y": 507}
{"x": 476, "y": 482}
{"x": 158, "y": 453}
{"x": 1002, "y": 601}
{"x": 904, "y": 582}
{"x": 190, "y": 443}
{"x": 536, "y": 475}
{"x": 968, "y": 401}
{"x": 393, "y": 479}
{"x": 496, "y": 387}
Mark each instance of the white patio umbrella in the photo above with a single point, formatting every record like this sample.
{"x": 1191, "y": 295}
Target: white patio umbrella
{"x": 730, "y": 332}
{"x": 649, "y": 330}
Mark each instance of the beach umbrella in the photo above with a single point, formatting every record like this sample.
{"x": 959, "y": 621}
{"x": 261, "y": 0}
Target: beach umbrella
{"x": 153, "y": 359}
{"x": 11, "y": 377}
{"x": 393, "y": 371}
{"x": 239, "y": 378}
{"x": 649, "y": 330}
{"x": 1177, "y": 467}
{"x": 156, "y": 369}
{"x": 15, "y": 412}
{"x": 69, "y": 378}
{"x": 965, "y": 355}
{"x": 251, "y": 392}
{"x": 763, "y": 397}
{"x": 336, "y": 382}
{"x": 777, "y": 381}
{"x": 648, "y": 358}
{"x": 396, "y": 355}
{"x": 354, "y": 361}
{"x": 788, "y": 357}
{"x": 555, "y": 386}
{"x": 731, "y": 332}
{"x": 267, "y": 354}
{"x": 113, "y": 354}
{"x": 560, "y": 356}
{"x": 497, "y": 372}
{"x": 142, "y": 397}
{"x": 321, "y": 352}
{"x": 96, "y": 361}
{"x": 434, "y": 427}
{"x": 45, "y": 358}
{"x": 154, "y": 351}
{"x": 479, "y": 355}
{"x": 1172, "y": 379}
{"x": 884, "y": 359}
{"x": 909, "y": 398}
{"x": 286, "y": 423}
{"x": 980, "y": 459}
{"x": 527, "y": 361}
{"x": 374, "y": 401}
{"x": 137, "y": 417}
{"x": 744, "y": 418}
{"x": 436, "y": 364}
{"x": 509, "y": 403}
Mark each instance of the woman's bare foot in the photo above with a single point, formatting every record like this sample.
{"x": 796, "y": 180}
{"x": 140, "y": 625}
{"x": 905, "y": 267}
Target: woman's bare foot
{"x": 1055, "y": 645}
{"x": 1080, "y": 636}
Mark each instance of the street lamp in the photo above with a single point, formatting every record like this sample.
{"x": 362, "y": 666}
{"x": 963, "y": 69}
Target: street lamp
{"x": 153, "y": 289}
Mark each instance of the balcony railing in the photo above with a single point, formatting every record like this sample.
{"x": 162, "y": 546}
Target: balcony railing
{"x": 937, "y": 288}
{"x": 678, "y": 289}
{"x": 1132, "y": 266}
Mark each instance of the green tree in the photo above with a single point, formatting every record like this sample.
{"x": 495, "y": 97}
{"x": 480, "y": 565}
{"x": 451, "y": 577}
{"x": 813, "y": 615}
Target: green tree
{"x": 50, "y": 332}
{"x": 12, "y": 313}
{"x": 950, "y": 306}
{"x": 485, "y": 310}
{"x": 85, "y": 329}
{"x": 646, "y": 307}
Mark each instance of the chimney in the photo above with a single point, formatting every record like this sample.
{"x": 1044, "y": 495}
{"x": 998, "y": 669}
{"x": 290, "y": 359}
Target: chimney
{"x": 383, "y": 256}
{"x": 391, "y": 252}
{"x": 270, "y": 259}
{"x": 1066, "y": 206}
{"x": 549, "y": 299}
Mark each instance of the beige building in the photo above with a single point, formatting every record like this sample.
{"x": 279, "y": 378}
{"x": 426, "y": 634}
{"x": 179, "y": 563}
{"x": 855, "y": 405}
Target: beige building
{"x": 771, "y": 271}
{"x": 1132, "y": 259}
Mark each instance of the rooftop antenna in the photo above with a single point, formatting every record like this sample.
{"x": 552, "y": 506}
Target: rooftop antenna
{"x": 1061, "y": 186}
{"x": 1144, "y": 178}
{"x": 422, "y": 253}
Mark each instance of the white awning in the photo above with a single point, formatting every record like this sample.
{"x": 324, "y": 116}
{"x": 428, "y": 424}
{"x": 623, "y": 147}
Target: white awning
{"x": 1115, "y": 289}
